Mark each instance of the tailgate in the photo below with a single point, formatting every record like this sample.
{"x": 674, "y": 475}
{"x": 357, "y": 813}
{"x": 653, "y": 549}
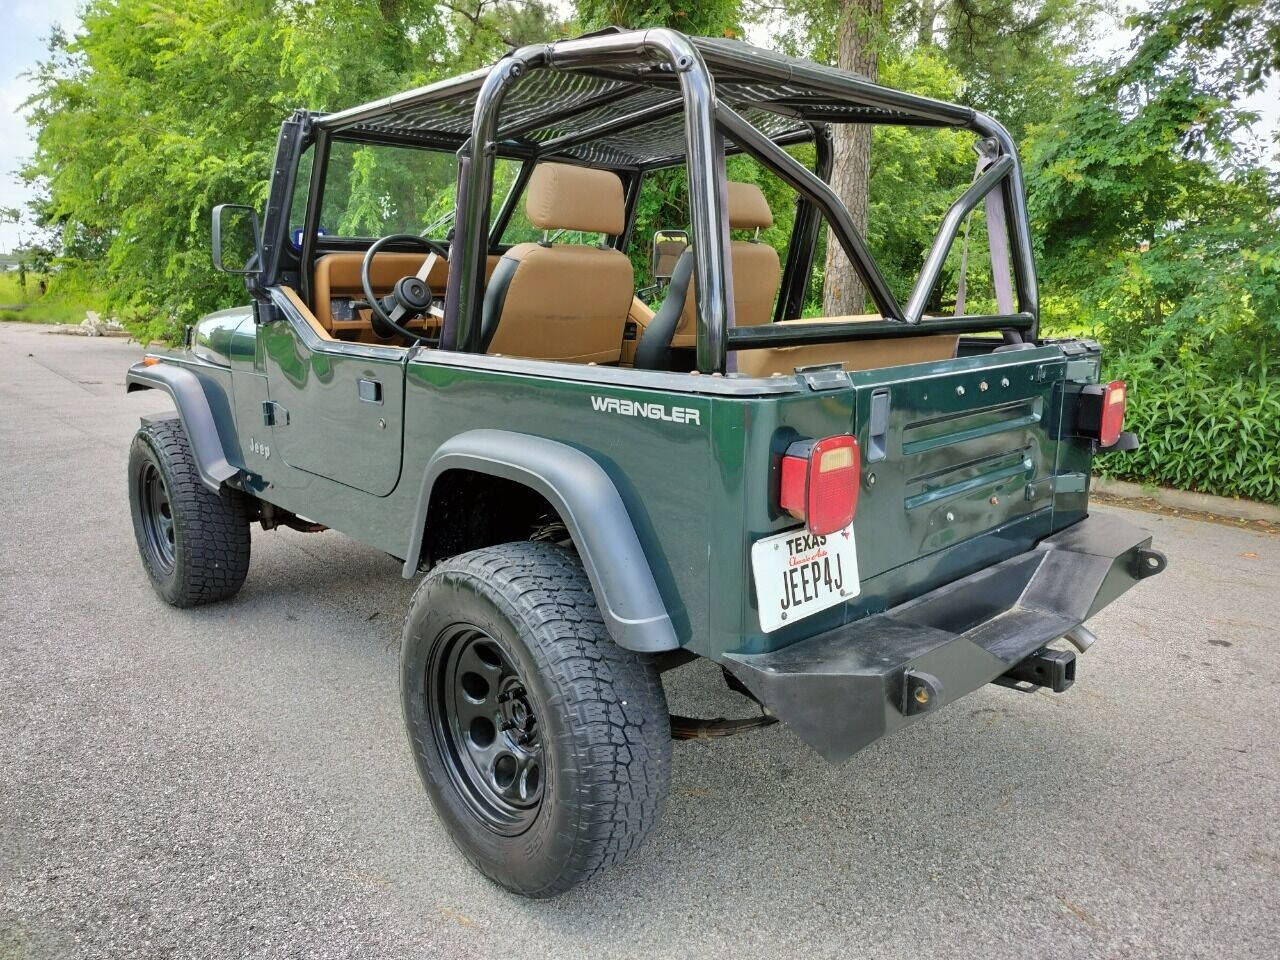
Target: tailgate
{"x": 955, "y": 450}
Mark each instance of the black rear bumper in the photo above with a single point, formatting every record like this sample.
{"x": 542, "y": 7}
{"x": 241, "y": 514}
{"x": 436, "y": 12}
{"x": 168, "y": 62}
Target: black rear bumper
{"x": 844, "y": 689}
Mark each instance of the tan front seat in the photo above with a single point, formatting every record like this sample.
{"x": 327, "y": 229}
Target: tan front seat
{"x": 563, "y": 301}
{"x": 756, "y": 271}
{"x": 756, "y": 277}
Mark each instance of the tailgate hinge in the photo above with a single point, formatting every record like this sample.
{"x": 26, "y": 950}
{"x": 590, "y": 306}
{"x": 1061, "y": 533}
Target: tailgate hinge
{"x": 1082, "y": 371}
{"x": 823, "y": 376}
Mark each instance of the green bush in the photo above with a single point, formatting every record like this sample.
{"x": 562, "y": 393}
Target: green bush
{"x": 1199, "y": 431}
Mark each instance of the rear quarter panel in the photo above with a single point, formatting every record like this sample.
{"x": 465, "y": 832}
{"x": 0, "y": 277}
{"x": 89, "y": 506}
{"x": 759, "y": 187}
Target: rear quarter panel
{"x": 662, "y": 468}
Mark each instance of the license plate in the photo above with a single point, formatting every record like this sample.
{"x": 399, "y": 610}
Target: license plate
{"x": 798, "y": 573}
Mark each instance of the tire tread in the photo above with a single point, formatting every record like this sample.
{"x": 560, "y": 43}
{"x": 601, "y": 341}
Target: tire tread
{"x": 620, "y": 736}
{"x": 214, "y": 526}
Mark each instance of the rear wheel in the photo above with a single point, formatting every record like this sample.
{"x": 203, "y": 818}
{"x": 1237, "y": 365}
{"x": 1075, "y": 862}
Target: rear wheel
{"x": 544, "y": 746}
{"x": 194, "y": 543}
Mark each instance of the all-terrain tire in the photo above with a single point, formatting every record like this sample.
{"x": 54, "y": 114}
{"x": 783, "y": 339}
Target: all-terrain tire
{"x": 602, "y": 730}
{"x": 207, "y": 533}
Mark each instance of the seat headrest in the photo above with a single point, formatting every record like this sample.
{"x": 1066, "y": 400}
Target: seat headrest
{"x": 565, "y": 197}
{"x": 748, "y": 208}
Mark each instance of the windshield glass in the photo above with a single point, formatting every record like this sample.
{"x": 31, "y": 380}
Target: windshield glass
{"x": 373, "y": 191}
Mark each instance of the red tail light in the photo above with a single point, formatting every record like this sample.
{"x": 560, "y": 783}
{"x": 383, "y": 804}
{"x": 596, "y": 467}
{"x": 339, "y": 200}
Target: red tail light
{"x": 1102, "y": 411}
{"x": 820, "y": 482}
{"x": 1114, "y": 399}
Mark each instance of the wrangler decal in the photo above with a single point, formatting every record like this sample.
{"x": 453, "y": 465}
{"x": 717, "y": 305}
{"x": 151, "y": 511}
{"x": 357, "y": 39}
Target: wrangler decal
{"x": 651, "y": 411}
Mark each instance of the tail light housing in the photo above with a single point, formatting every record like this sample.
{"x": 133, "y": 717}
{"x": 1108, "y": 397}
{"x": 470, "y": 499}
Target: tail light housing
{"x": 820, "y": 482}
{"x": 1101, "y": 411}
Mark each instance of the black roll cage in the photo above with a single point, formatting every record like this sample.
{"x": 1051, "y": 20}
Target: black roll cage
{"x": 688, "y": 67}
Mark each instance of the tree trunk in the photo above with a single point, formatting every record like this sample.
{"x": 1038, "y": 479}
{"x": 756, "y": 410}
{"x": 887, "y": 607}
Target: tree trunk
{"x": 928, "y": 13}
{"x": 843, "y": 292}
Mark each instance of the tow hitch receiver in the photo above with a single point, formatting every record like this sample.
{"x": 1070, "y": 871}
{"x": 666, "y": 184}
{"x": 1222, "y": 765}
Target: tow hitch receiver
{"x": 1055, "y": 669}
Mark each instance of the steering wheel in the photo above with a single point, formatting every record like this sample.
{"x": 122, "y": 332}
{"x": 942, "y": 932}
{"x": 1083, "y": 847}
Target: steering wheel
{"x": 409, "y": 297}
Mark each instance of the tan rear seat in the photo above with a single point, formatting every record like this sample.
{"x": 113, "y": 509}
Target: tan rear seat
{"x": 852, "y": 355}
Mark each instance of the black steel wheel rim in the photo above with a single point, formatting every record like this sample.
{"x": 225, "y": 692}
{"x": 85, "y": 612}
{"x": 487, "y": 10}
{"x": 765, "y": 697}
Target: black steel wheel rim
{"x": 157, "y": 515}
{"x": 486, "y": 729}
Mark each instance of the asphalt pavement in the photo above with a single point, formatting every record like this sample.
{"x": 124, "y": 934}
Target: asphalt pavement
{"x": 234, "y": 781}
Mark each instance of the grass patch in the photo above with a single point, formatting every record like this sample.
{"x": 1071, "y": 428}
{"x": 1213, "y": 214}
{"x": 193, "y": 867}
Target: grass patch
{"x": 28, "y": 305}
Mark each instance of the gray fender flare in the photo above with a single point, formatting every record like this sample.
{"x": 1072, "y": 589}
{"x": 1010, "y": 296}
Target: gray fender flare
{"x": 592, "y": 511}
{"x": 195, "y": 413}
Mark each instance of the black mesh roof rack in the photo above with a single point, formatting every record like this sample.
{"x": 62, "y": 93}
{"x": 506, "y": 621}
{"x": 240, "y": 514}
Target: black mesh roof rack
{"x": 616, "y": 117}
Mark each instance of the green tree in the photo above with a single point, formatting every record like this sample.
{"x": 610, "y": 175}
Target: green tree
{"x": 1009, "y": 58}
{"x": 1161, "y": 235}
{"x": 156, "y": 110}
{"x": 703, "y": 18}
{"x": 1156, "y": 216}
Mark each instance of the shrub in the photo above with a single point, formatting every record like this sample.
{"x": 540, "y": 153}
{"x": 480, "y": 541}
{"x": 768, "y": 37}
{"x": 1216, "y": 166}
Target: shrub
{"x": 1199, "y": 431}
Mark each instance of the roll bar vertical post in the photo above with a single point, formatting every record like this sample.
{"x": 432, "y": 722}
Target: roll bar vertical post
{"x": 470, "y": 246}
{"x": 804, "y": 235}
{"x": 1019, "y": 225}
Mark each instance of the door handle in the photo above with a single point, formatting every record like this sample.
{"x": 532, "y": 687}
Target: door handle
{"x": 370, "y": 391}
{"x": 274, "y": 415}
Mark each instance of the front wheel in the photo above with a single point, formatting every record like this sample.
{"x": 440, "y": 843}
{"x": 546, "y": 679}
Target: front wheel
{"x": 194, "y": 543}
{"x": 545, "y": 747}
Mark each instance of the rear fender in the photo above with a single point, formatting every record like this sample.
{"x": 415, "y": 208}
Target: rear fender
{"x": 195, "y": 412}
{"x": 592, "y": 511}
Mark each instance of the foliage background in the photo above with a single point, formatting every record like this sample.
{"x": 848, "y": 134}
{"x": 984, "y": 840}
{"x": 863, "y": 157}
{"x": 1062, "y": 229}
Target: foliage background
{"x": 1154, "y": 194}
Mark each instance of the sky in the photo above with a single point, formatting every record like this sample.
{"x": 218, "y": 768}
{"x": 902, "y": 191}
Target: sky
{"x": 26, "y": 24}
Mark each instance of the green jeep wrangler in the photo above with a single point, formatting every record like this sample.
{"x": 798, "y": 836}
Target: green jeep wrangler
{"x": 860, "y": 519}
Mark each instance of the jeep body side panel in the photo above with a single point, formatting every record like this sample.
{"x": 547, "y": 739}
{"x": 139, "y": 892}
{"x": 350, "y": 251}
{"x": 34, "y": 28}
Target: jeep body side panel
{"x": 201, "y": 395}
{"x": 593, "y": 513}
{"x": 660, "y": 469}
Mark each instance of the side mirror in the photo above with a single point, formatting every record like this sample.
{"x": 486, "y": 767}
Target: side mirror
{"x": 238, "y": 224}
{"x": 667, "y": 247}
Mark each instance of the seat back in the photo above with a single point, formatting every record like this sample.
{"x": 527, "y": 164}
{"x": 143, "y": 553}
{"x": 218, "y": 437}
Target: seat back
{"x": 756, "y": 278}
{"x": 568, "y": 302}
{"x": 757, "y": 273}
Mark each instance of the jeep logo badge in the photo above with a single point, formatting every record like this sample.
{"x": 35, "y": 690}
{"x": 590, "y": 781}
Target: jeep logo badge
{"x": 261, "y": 449}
